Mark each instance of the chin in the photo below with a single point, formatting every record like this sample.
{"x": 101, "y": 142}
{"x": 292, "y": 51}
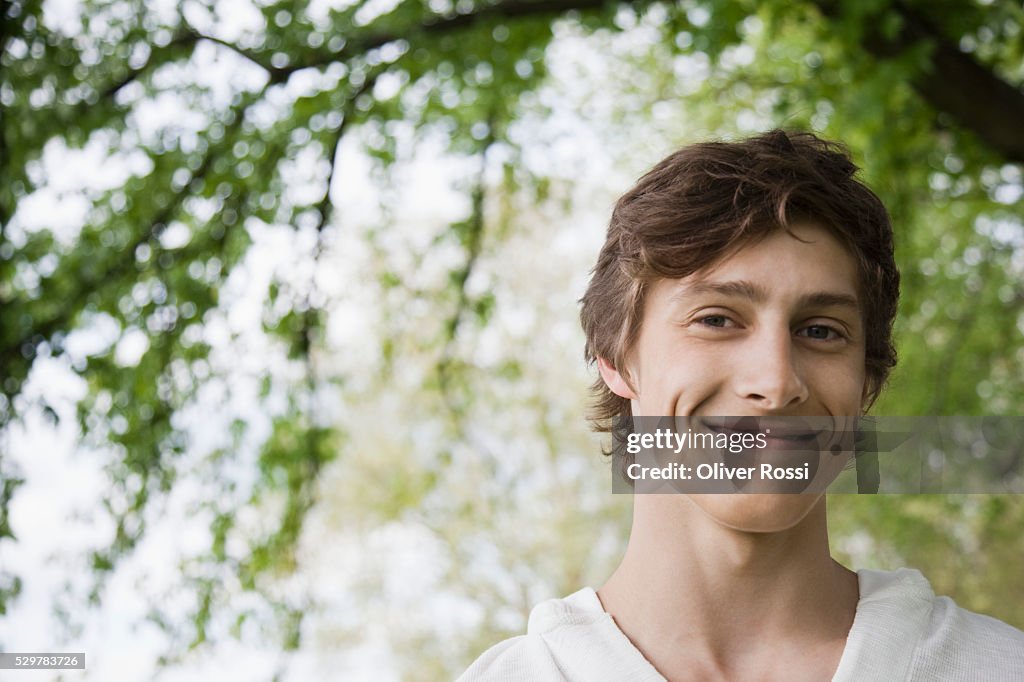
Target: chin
{"x": 757, "y": 513}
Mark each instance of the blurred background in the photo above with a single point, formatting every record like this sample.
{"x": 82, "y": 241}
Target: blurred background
{"x": 291, "y": 377}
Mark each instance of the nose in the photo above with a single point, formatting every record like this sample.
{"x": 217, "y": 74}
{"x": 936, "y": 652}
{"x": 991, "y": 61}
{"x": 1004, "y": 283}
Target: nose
{"x": 769, "y": 376}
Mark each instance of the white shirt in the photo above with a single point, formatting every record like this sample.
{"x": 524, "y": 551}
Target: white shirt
{"x": 901, "y": 631}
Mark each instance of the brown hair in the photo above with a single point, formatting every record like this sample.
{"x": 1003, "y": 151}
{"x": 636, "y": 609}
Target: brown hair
{"x": 701, "y": 203}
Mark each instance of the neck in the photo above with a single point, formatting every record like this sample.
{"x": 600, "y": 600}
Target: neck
{"x": 688, "y": 583}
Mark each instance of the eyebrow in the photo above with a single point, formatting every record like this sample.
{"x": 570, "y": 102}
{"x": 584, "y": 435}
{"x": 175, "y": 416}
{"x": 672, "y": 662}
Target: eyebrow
{"x": 757, "y": 294}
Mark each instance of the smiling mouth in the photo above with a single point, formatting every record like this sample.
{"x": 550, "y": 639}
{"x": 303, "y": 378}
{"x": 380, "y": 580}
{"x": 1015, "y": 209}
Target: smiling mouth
{"x": 792, "y": 431}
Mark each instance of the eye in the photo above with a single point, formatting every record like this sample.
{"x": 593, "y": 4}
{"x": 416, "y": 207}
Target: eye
{"x": 820, "y": 332}
{"x": 715, "y": 321}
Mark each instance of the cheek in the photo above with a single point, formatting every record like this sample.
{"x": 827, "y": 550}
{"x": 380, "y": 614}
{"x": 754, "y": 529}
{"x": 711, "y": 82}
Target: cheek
{"x": 674, "y": 384}
{"x": 840, "y": 386}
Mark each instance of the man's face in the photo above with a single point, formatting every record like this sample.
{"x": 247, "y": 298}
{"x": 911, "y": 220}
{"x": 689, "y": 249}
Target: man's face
{"x": 773, "y": 330}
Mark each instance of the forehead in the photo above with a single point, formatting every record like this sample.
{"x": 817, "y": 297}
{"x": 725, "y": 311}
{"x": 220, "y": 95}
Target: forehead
{"x": 805, "y": 264}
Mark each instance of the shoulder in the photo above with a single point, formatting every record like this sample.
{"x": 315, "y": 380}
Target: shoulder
{"x": 902, "y": 614}
{"x": 534, "y": 656}
{"x": 566, "y": 639}
{"x": 526, "y": 657}
{"x": 961, "y": 644}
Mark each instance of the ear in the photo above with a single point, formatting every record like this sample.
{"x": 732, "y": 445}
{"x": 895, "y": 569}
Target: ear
{"x": 615, "y": 381}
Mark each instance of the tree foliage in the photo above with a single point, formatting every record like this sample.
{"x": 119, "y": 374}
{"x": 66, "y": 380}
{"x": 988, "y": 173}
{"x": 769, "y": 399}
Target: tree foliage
{"x": 216, "y": 127}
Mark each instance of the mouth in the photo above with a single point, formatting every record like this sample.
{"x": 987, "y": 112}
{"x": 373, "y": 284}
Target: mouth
{"x": 782, "y": 431}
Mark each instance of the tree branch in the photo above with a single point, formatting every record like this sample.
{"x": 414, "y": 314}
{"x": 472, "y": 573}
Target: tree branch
{"x": 473, "y": 242}
{"x": 510, "y": 9}
{"x": 156, "y": 58}
{"x": 955, "y": 82}
{"x": 44, "y": 329}
{"x": 277, "y": 75}
{"x": 977, "y": 98}
{"x": 324, "y": 208}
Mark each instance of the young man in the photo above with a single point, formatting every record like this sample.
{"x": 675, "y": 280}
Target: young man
{"x": 749, "y": 279}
